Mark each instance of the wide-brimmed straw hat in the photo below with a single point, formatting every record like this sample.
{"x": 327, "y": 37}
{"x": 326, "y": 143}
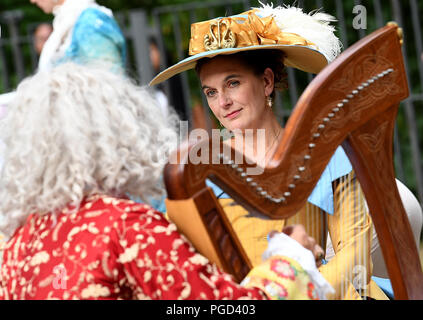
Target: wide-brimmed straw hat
{"x": 308, "y": 40}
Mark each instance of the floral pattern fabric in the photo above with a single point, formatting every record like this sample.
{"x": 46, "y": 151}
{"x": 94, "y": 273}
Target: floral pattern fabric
{"x": 118, "y": 249}
{"x": 277, "y": 274}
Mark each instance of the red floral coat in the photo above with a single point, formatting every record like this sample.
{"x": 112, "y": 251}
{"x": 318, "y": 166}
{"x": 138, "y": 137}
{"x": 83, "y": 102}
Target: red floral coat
{"x": 114, "y": 249}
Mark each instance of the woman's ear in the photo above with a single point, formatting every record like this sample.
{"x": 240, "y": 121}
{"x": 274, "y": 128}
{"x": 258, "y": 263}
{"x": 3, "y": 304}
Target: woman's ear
{"x": 269, "y": 81}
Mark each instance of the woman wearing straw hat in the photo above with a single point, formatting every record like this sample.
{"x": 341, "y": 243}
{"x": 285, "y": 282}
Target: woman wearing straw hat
{"x": 240, "y": 62}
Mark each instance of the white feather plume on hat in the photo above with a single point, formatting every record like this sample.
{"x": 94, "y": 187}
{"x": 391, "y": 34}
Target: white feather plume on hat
{"x": 315, "y": 27}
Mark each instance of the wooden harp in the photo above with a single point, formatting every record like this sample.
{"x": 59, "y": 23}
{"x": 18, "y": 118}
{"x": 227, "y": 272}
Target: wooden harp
{"x": 353, "y": 102}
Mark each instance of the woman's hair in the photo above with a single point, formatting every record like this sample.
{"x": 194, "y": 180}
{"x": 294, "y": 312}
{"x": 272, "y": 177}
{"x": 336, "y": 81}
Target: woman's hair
{"x": 76, "y": 131}
{"x": 258, "y": 61}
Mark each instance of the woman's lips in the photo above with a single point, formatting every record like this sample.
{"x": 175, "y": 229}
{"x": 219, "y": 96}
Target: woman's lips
{"x": 233, "y": 114}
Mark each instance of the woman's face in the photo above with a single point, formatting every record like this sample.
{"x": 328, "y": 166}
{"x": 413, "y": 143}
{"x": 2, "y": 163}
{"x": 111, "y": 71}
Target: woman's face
{"x": 235, "y": 94}
{"x": 47, "y": 5}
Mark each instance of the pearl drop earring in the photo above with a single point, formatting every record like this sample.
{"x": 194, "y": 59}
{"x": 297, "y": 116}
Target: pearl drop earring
{"x": 269, "y": 102}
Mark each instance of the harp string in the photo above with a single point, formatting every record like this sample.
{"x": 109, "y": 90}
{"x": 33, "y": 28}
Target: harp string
{"x": 354, "y": 266}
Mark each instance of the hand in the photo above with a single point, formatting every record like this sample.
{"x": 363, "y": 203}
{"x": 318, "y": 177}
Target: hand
{"x": 298, "y": 233}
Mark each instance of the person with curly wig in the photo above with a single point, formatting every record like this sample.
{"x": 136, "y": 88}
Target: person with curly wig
{"x": 79, "y": 142}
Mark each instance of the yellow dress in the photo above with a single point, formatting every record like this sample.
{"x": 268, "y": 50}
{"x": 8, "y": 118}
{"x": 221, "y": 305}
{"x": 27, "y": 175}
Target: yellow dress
{"x": 350, "y": 228}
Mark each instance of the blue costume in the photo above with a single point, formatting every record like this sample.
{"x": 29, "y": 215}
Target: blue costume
{"x": 85, "y": 33}
{"x": 96, "y": 36}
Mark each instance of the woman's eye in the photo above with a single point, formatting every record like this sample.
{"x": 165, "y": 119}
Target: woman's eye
{"x": 233, "y": 84}
{"x": 210, "y": 93}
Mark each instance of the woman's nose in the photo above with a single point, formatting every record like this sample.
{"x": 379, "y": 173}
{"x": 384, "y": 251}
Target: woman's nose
{"x": 224, "y": 101}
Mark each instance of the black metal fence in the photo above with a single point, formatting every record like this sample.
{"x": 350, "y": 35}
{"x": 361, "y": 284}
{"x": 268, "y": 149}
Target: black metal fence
{"x": 169, "y": 27}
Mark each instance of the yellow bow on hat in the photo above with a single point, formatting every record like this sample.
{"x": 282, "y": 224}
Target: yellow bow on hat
{"x": 240, "y": 31}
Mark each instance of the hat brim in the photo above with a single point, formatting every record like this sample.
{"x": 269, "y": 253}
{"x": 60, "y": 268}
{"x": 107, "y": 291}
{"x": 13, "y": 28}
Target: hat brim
{"x": 300, "y": 57}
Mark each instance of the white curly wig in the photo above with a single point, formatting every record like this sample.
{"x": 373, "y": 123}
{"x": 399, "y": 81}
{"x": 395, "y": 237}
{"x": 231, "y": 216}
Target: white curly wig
{"x": 76, "y": 131}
